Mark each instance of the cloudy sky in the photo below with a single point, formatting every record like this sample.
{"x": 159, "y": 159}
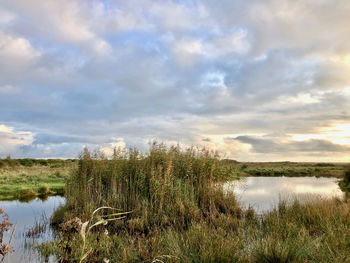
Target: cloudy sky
{"x": 259, "y": 80}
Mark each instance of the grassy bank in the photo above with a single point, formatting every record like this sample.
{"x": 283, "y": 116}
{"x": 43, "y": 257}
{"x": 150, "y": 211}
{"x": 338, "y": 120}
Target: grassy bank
{"x": 291, "y": 169}
{"x": 26, "y": 179}
{"x": 178, "y": 213}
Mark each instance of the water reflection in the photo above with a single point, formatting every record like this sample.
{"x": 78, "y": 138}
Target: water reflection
{"x": 35, "y": 213}
{"x": 263, "y": 193}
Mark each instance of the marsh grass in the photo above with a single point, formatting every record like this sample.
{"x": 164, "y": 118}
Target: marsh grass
{"x": 38, "y": 228}
{"x": 318, "y": 231}
{"x": 179, "y": 214}
{"x": 168, "y": 186}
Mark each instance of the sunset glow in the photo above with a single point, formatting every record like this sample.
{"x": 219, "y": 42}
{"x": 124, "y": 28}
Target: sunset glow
{"x": 339, "y": 134}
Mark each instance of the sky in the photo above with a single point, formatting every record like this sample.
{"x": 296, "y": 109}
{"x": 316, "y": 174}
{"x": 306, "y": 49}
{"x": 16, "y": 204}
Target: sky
{"x": 258, "y": 80}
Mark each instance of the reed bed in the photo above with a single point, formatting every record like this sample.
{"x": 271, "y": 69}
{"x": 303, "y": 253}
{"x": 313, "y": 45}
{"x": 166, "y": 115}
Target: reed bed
{"x": 174, "y": 210}
{"x": 167, "y": 186}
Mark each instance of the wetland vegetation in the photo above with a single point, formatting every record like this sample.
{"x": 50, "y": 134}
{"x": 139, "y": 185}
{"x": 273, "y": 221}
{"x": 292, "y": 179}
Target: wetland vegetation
{"x": 177, "y": 212}
{"x": 26, "y": 179}
{"x": 345, "y": 182}
{"x": 168, "y": 205}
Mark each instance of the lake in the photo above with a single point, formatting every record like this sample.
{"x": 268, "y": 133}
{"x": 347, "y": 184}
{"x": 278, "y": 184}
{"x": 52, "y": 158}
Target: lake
{"x": 26, "y": 215}
{"x": 264, "y": 193}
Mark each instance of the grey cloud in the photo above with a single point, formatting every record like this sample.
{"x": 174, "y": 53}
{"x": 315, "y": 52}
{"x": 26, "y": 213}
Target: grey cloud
{"x": 43, "y": 138}
{"x": 70, "y": 93}
{"x": 262, "y": 145}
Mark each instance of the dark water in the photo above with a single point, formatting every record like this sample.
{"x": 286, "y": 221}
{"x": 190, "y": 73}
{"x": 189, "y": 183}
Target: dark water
{"x": 264, "y": 193}
{"x": 27, "y": 215}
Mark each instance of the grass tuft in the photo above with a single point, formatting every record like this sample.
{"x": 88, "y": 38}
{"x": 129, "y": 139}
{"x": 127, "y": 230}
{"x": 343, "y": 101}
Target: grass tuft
{"x": 26, "y": 195}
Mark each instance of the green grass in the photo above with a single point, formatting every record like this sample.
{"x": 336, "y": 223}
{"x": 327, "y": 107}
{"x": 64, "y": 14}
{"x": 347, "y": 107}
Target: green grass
{"x": 26, "y": 182}
{"x": 289, "y": 169}
{"x": 293, "y": 169}
{"x": 180, "y": 214}
{"x": 312, "y": 232}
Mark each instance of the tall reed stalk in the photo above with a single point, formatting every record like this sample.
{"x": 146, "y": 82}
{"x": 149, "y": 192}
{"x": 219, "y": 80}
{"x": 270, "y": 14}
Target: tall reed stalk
{"x": 166, "y": 186}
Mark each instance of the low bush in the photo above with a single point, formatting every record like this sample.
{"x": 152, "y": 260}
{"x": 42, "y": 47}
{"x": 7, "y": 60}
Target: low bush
{"x": 26, "y": 195}
{"x": 44, "y": 190}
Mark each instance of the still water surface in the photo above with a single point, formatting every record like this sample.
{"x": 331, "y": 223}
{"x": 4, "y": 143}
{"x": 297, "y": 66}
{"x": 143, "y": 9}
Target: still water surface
{"x": 264, "y": 193}
{"x": 26, "y": 215}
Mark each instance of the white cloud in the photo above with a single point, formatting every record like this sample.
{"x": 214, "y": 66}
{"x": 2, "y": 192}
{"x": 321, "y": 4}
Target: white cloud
{"x": 235, "y": 43}
{"x": 108, "y": 148}
{"x": 83, "y": 72}
{"x": 71, "y": 22}
{"x": 301, "y": 98}
{"x": 16, "y": 48}
{"x": 187, "y": 52}
{"x": 172, "y": 16}
{"x": 11, "y": 141}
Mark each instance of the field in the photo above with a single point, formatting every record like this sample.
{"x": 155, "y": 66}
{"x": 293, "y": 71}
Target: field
{"x": 293, "y": 169}
{"x": 25, "y": 179}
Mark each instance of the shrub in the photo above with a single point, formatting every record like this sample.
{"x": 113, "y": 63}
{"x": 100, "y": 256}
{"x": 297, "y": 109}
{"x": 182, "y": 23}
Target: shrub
{"x": 26, "y": 162}
{"x": 26, "y": 195}
{"x": 44, "y": 190}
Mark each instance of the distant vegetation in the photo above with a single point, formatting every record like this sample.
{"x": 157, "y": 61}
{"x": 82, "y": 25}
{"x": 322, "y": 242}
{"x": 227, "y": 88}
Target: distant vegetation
{"x": 29, "y": 162}
{"x": 177, "y": 212}
{"x": 25, "y": 179}
{"x": 293, "y": 169}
